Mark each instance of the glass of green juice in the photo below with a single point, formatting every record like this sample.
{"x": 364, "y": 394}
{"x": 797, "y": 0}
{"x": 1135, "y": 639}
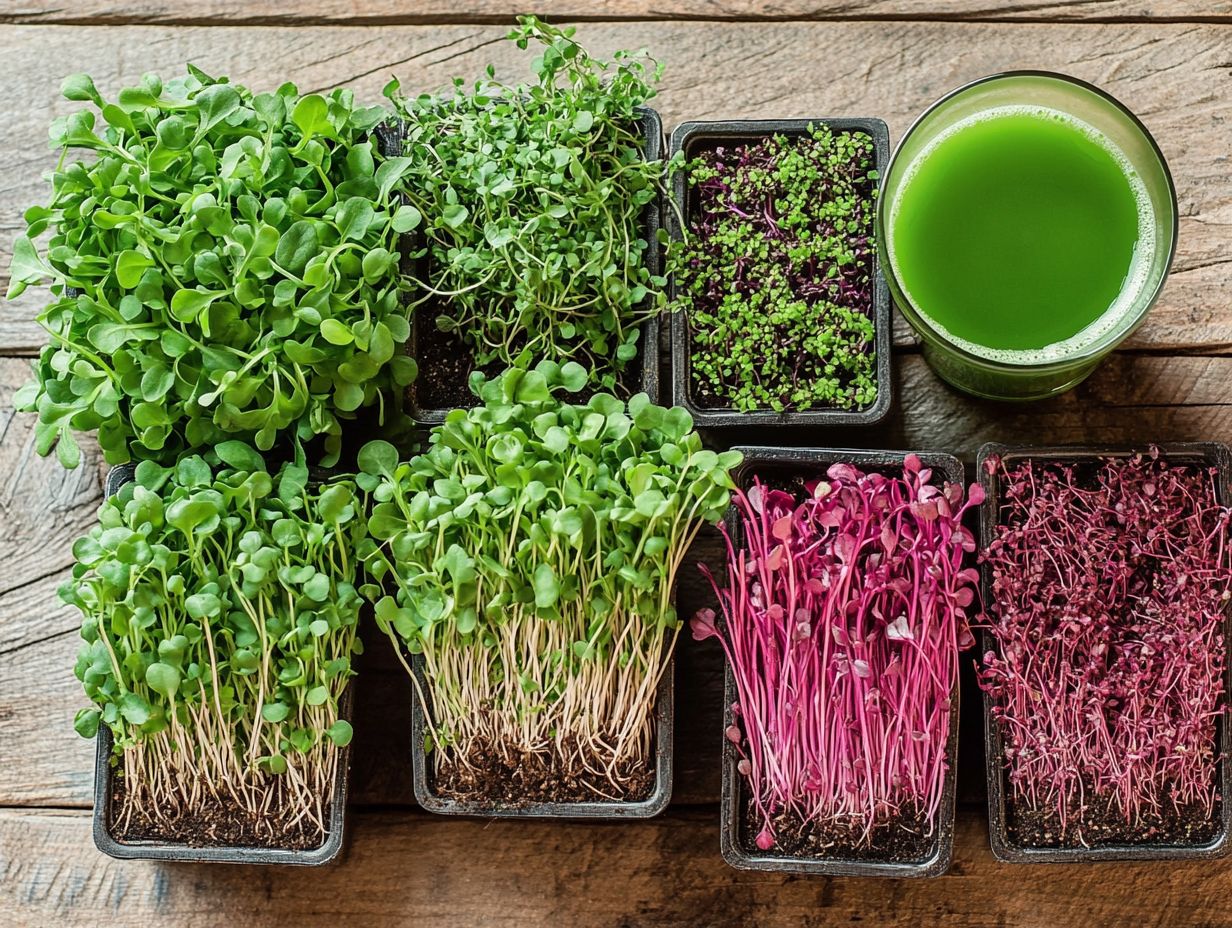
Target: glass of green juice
{"x": 1026, "y": 224}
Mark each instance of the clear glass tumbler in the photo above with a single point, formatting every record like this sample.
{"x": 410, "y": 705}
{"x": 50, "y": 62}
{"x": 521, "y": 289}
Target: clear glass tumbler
{"x": 1028, "y": 381}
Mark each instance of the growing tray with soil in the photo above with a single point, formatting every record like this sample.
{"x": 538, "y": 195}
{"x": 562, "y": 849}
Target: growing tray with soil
{"x": 845, "y": 589}
{"x": 538, "y": 605}
{"x": 780, "y": 313}
{"x": 540, "y": 206}
{"x": 219, "y": 668}
{"x": 1106, "y": 577}
{"x": 446, "y": 361}
{"x": 526, "y": 786}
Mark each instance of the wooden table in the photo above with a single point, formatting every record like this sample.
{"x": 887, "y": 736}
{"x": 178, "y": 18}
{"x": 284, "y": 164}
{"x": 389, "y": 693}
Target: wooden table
{"x": 1169, "y": 60}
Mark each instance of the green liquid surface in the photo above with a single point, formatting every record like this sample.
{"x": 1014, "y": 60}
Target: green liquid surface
{"x": 1018, "y": 231}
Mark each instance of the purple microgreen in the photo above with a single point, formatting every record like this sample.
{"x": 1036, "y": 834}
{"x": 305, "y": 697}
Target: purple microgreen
{"x": 842, "y": 618}
{"x": 776, "y": 273}
{"x": 1109, "y": 582}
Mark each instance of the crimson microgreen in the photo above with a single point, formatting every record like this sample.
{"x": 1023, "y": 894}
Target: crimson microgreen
{"x": 1110, "y": 583}
{"x": 843, "y": 613}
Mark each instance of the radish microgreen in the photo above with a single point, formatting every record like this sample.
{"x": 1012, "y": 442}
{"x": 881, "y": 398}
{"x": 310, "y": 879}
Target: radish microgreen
{"x": 532, "y": 552}
{"x": 219, "y": 612}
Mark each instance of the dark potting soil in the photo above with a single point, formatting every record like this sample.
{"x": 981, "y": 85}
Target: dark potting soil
{"x": 509, "y": 779}
{"x": 216, "y": 824}
{"x": 905, "y": 839}
{"x": 1103, "y": 825}
{"x": 446, "y": 362}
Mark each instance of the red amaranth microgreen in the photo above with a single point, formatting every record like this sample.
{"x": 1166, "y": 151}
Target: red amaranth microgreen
{"x": 1109, "y": 584}
{"x": 842, "y": 618}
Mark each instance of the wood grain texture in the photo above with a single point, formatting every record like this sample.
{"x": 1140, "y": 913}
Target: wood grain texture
{"x": 409, "y": 868}
{"x": 43, "y": 509}
{"x": 392, "y": 12}
{"x": 1177, "y": 77}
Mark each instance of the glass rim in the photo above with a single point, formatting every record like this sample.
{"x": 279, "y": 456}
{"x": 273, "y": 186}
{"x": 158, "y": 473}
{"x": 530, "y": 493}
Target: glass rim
{"x": 1105, "y": 343}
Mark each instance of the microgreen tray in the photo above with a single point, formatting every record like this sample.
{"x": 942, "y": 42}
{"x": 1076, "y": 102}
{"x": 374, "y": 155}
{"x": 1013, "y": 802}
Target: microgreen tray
{"x": 694, "y": 137}
{"x": 1003, "y": 846}
{"x": 106, "y": 842}
{"x": 643, "y": 370}
{"x": 760, "y": 461}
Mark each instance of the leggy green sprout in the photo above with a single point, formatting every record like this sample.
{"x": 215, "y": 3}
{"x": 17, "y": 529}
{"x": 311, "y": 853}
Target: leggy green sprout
{"x": 219, "y": 612}
{"x": 531, "y": 554}
{"x": 534, "y": 197}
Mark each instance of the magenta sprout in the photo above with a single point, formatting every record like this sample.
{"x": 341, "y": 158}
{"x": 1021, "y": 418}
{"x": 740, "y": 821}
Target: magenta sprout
{"x": 842, "y": 618}
{"x": 1109, "y": 586}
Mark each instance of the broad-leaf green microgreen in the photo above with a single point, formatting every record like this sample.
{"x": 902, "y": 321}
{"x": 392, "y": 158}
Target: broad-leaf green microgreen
{"x": 224, "y": 267}
{"x": 531, "y": 553}
{"x": 220, "y": 609}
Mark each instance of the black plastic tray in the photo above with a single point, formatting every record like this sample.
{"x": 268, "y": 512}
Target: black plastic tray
{"x": 649, "y": 807}
{"x": 759, "y": 461}
{"x": 390, "y": 140}
{"x": 1003, "y": 847}
{"x": 689, "y": 137}
{"x": 167, "y": 850}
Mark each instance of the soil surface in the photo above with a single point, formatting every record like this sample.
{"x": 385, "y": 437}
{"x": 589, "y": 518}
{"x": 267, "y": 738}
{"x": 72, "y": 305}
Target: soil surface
{"x": 215, "y": 824}
{"x": 517, "y": 779}
{"x": 445, "y": 365}
{"x": 1102, "y": 825}
{"x": 902, "y": 840}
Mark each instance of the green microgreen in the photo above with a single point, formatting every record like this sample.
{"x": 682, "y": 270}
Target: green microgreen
{"x": 532, "y": 551}
{"x": 224, "y": 267}
{"x": 220, "y": 610}
{"x": 776, "y": 273}
{"x": 535, "y": 198}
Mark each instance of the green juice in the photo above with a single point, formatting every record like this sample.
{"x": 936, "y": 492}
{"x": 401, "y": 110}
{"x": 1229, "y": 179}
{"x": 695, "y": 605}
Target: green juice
{"x": 1021, "y": 234}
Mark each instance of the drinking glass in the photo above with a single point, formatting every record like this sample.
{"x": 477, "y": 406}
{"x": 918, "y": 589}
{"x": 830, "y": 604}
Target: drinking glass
{"x": 1003, "y": 380}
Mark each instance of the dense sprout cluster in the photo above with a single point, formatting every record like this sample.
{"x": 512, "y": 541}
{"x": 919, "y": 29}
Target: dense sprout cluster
{"x": 223, "y": 267}
{"x": 536, "y": 195}
{"x": 1110, "y": 584}
{"x": 842, "y": 617}
{"x": 533, "y": 549}
{"x": 776, "y": 273}
{"x": 220, "y": 606}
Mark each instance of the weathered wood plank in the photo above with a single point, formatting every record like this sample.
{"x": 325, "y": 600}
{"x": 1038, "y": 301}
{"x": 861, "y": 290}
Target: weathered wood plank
{"x": 406, "y": 867}
{"x": 1176, "y": 76}
{"x": 1132, "y": 397}
{"x": 391, "y": 12}
{"x": 43, "y": 509}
